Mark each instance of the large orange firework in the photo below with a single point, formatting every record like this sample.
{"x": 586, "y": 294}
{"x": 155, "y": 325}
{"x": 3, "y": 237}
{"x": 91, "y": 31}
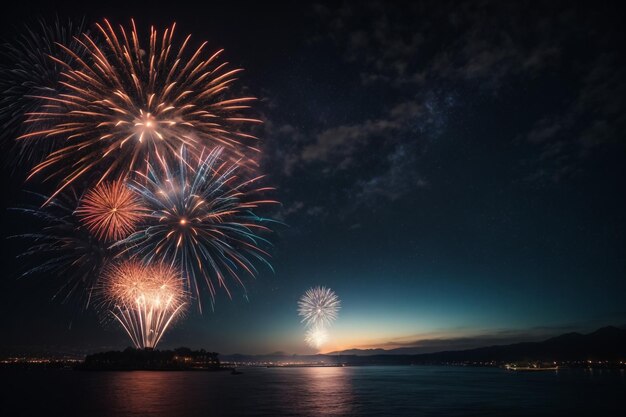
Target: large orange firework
{"x": 144, "y": 299}
{"x": 110, "y": 210}
{"x": 125, "y": 105}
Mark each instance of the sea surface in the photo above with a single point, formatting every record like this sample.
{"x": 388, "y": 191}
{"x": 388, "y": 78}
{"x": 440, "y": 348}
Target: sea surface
{"x": 350, "y": 391}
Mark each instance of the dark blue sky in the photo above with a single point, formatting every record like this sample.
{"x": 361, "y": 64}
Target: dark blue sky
{"x": 454, "y": 171}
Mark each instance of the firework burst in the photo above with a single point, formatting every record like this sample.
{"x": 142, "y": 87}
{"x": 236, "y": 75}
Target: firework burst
{"x": 200, "y": 216}
{"x": 126, "y": 105}
{"x": 316, "y": 337}
{"x": 64, "y": 247}
{"x": 110, "y": 210}
{"x": 27, "y": 74}
{"x": 319, "y": 307}
{"x": 144, "y": 299}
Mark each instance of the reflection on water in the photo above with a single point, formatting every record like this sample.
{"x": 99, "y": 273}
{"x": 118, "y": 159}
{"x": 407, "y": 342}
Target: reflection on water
{"x": 327, "y": 392}
{"x": 315, "y": 392}
{"x": 138, "y": 393}
{"x": 364, "y": 391}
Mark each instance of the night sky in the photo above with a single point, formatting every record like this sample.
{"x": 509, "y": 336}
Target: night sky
{"x": 454, "y": 171}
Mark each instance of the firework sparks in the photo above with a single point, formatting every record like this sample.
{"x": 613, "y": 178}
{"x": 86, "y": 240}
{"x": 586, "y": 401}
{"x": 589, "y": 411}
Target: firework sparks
{"x": 110, "y": 211}
{"x": 319, "y": 307}
{"x": 69, "y": 251}
{"x": 126, "y": 105}
{"x": 316, "y": 336}
{"x": 27, "y": 74}
{"x": 200, "y": 216}
{"x": 144, "y": 299}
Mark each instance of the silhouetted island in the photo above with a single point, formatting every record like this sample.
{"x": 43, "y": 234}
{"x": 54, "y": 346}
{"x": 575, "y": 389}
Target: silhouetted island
{"x": 130, "y": 359}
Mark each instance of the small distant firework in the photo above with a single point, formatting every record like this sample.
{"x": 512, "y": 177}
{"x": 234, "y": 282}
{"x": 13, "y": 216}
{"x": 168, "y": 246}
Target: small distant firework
{"x": 145, "y": 300}
{"x": 319, "y": 307}
{"x": 316, "y": 337}
{"x": 126, "y": 105}
{"x": 27, "y": 74}
{"x": 200, "y": 216}
{"x": 64, "y": 247}
{"x": 110, "y": 210}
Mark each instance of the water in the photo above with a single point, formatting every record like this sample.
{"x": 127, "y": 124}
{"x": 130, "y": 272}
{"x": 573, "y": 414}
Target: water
{"x": 352, "y": 391}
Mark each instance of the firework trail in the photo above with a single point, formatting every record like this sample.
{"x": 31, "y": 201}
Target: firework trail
{"x": 64, "y": 247}
{"x": 110, "y": 210}
{"x": 126, "y": 105}
{"x": 144, "y": 299}
{"x": 27, "y": 74}
{"x": 316, "y": 336}
{"x": 200, "y": 217}
{"x": 319, "y": 307}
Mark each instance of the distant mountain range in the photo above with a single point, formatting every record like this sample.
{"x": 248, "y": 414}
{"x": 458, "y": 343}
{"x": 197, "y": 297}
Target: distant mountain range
{"x": 607, "y": 343}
